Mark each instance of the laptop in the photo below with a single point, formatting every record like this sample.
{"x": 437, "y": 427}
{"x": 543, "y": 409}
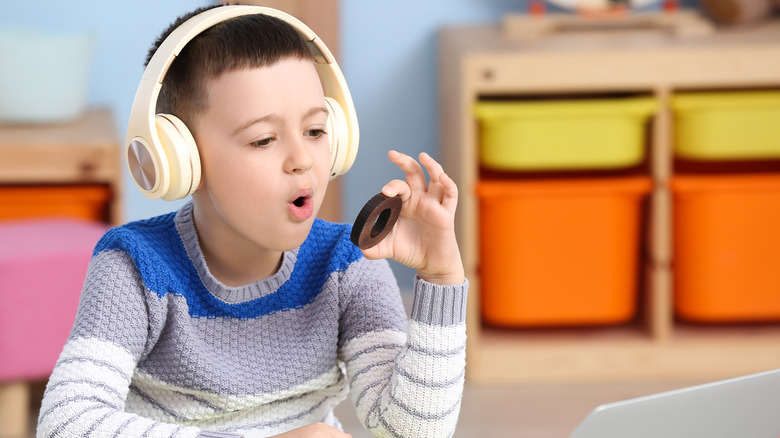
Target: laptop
{"x": 747, "y": 406}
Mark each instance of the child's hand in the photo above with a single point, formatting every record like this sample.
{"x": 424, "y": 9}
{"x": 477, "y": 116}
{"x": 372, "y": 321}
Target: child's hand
{"x": 316, "y": 430}
{"x": 424, "y": 236}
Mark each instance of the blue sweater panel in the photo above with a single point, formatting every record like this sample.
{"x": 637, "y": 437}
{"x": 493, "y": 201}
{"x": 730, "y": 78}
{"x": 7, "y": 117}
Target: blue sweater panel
{"x": 165, "y": 268}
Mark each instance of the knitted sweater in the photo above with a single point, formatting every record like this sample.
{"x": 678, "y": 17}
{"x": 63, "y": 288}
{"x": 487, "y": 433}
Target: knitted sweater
{"x": 161, "y": 348}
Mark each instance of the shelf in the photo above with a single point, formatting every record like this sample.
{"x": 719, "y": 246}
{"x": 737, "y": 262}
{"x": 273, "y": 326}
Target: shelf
{"x": 85, "y": 151}
{"x": 622, "y": 354}
{"x": 478, "y": 63}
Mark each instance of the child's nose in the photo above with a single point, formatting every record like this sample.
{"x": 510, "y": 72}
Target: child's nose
{"x": 299, "y": 158}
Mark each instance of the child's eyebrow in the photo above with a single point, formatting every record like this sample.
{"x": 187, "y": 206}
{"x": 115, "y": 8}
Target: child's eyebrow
{"x": 314, "y": 111}
{"x": 276, "y": 118}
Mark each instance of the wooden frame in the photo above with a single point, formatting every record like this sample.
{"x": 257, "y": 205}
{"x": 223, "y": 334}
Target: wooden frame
{"x": 478, "y": 62}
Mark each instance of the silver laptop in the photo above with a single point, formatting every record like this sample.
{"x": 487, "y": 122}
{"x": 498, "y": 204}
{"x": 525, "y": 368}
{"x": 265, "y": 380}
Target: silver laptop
{"x": 747, "y": 406}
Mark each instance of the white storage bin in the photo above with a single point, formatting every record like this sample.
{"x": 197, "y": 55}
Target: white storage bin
{"x": 43, "y": 77}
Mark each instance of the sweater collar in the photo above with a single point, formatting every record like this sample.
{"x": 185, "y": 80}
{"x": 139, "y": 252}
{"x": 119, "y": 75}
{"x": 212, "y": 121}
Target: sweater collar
{"x": 185, "y": 225}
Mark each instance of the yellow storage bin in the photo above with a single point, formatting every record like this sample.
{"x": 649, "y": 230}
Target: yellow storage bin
{"x": 727, "y": 125}
{"x": 563, "y": 135}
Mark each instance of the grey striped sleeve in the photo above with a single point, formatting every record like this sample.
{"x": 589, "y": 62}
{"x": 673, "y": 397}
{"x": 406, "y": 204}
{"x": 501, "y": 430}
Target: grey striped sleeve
{"x": 408, "y": 385}
{"x": 439, "y": 305}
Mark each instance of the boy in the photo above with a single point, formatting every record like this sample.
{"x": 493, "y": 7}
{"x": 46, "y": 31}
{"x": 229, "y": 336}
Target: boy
{"x": 243, "y": 315}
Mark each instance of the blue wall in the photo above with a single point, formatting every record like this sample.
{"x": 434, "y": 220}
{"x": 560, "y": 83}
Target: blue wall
{"x": 388, "y": 52}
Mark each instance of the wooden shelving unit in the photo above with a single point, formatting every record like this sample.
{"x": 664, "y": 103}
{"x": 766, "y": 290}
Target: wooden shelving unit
{"x": 85, "y": 151}
{"x": 480, "y": 62}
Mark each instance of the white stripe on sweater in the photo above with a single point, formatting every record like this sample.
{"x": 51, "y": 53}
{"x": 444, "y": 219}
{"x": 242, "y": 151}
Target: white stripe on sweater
{"x": 85, "y": 394}
{"x": 160, "y": 399}
{"x": 424, "y": 391}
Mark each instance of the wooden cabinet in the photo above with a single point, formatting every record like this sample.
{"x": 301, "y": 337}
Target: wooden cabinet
{"x": 85, "y": 152}
{"x": 478, "y": 63}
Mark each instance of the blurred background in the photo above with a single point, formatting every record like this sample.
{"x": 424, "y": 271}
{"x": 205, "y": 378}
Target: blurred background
{"x": 618, "y": 162}
{"x": 387, "y": 52}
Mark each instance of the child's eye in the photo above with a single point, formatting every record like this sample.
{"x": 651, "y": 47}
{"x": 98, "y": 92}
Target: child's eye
{"x": 315, "y": 133}
{"x": 263, "y": 142}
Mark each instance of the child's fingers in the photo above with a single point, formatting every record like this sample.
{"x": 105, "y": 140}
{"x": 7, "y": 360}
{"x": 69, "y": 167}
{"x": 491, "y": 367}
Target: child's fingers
{"x": 411, "y": 168}
{"x": 435, "y": 171}
{"x": 450, "y": 198}
{"x": 442, "y": 186}
{"x": 397, "y": 187}
{"x": 432, "y": 166}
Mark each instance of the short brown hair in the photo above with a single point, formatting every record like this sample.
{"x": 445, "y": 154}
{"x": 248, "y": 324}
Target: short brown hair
{"x": 247, "y": 41}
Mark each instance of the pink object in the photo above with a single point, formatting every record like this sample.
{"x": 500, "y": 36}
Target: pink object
{"x": 43, "y": 263}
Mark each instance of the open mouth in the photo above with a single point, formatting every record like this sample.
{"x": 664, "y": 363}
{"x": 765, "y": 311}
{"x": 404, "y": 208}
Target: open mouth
{"x": 302, "y": 206}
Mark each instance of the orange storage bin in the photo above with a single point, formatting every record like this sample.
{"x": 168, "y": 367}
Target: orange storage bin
{"x": 727, "y": 247}
{"x": 78, "y": 201}
{"x": 560, "y": 252}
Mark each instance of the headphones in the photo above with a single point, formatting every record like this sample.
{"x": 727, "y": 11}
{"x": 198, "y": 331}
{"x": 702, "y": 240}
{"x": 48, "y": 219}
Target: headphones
{"x": 161, "y": 153}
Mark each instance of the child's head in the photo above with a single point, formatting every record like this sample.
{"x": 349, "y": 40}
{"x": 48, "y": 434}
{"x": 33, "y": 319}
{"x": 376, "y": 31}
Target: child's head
{"x": 221, "y": 48}
{"x": 253, "y": 118}
{"x": 177, "y": 91}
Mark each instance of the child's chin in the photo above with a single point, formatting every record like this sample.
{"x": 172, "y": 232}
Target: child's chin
{"x": 300, "y": 234}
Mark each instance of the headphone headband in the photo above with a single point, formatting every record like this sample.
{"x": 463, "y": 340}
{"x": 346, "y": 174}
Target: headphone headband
{"x": 183, "y": 34}
{"x": 142, "y": 134}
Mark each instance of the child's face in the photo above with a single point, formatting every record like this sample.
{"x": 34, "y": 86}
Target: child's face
{"x": 264, "y": 154}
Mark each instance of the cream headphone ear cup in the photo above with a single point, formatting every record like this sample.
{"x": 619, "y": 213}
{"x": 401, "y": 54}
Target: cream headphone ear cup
{"x": 338, "y": 136}
{"x": 181, "y": 155}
